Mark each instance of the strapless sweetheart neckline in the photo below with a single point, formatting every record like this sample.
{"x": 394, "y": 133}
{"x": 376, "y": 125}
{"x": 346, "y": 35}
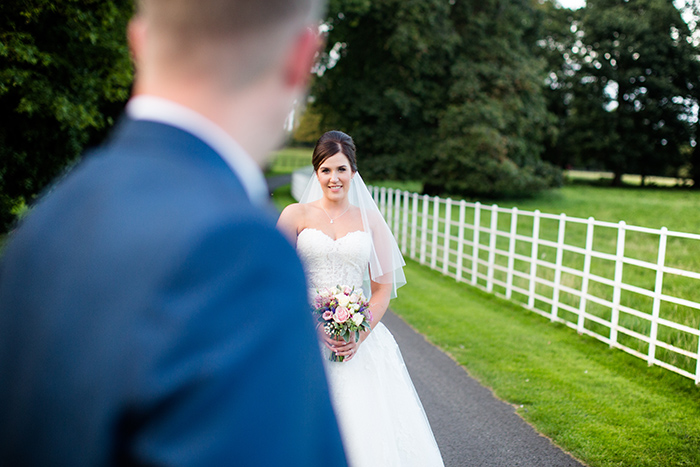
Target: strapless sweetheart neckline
{"x": 328, "y": 236}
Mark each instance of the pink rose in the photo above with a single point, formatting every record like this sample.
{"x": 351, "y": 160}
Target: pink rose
{"x": 347, "y": 290}
{"x": 342, "y": 314}
{"x": 327, "y": 315}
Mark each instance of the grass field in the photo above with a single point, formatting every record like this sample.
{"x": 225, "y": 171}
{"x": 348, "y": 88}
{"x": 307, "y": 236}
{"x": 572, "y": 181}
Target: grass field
{"x": 289, "y": 159}
{"x": 604, "y": 406}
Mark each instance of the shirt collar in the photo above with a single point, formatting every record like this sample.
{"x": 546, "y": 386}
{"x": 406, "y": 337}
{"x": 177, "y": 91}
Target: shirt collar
{"x": 161, "y": 110}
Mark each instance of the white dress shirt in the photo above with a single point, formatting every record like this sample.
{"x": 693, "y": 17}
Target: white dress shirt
{"x": 161, "y": 110}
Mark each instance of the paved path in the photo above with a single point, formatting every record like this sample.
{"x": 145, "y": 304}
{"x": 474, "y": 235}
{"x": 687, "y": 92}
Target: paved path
{"x": 471, "y": 426}
{"x": 277, "y": 181}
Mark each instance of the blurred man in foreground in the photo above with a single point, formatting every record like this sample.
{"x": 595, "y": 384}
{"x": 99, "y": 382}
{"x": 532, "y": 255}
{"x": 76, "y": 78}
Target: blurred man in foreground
{"x": 150, "y": 313}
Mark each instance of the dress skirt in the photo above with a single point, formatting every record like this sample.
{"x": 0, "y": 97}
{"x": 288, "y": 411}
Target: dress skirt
{"x": 381, "y": 418}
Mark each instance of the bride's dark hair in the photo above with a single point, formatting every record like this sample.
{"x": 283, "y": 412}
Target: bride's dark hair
{"x": 330, "y": 144}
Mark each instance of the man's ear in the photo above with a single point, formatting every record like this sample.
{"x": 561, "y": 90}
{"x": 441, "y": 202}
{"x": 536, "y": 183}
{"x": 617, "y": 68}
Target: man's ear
{"x": 301, "y": 58}
{"x": 136, "y": 36}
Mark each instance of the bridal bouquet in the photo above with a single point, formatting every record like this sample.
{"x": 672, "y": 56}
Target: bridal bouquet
{"x": 342, "y": 310}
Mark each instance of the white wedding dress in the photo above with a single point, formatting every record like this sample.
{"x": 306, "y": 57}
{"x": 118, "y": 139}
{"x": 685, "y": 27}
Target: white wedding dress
{"x": 381, "y": 418}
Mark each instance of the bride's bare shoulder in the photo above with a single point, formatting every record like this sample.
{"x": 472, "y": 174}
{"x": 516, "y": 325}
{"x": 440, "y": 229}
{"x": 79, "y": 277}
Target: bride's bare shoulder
{"x": 293, "y": 218}
{"x": 292, "y": 214}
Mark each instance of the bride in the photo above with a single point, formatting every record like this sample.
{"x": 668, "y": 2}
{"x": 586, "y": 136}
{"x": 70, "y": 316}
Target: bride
{"x": 342, "y": 239}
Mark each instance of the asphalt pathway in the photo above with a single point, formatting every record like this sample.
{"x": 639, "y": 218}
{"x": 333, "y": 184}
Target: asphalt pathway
{"x": 471, "y": 426}
{"x": 277, "y": 181}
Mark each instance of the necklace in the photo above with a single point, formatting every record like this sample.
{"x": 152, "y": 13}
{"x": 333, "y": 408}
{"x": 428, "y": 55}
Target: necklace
{"x": 336, "y": 217}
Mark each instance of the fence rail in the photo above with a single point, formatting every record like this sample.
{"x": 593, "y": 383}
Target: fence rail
{"x": 634, "y": 288}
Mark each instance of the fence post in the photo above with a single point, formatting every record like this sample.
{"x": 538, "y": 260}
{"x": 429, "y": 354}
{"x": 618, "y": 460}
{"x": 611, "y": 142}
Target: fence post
{"x": 511, "y": 251}
{"x": 658, "y": 288}
{"x": 460, "y": 239}
{"x": 492, "y": 247}
{"x": 414, "y": 224}
{"x": 404, "y": 226}
{"x": 448, "y": 234}
{"x": 617, "y": 287}
{"x": 557, "y": 266}
{"x": 533, "y": 259}
{"x": 382, "y": 201}
{"x": 697, "y": 365}
{"x": 586, "y": 273}
{"x": 424, "y": 228}
{"x": 436, "y": 220}
{"x": 475, "y": 245}
{"x": 388, "y": 216}
{"x": 397, "y": 212}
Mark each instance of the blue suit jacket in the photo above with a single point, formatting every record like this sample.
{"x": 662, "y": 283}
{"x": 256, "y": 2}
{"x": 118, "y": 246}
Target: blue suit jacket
{"x": 150, "y": 314}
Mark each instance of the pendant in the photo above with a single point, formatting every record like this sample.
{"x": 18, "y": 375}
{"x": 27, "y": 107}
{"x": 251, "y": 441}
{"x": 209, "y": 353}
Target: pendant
{"x": 331, "y": 221}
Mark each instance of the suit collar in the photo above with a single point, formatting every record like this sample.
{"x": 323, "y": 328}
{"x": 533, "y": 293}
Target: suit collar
{"x": 154, "y": 109}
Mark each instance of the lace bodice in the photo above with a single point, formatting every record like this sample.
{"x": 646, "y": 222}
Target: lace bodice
{"x": 329, "y": 262}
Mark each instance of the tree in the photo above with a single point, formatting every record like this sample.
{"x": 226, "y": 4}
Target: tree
{"x": 559, "y": 34}
{"x": 437, "y": 91}
{"x": 387, "y": 86}
{"x": 496, "y": 117}
{"x": 65, "y": 73}
{"x": 629, "y": 104}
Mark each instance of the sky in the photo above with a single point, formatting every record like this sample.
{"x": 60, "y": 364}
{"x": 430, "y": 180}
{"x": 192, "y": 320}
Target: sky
{"x": 573, "y": 4}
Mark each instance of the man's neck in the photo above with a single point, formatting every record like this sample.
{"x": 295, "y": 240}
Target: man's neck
{"x": 240, "y": 114}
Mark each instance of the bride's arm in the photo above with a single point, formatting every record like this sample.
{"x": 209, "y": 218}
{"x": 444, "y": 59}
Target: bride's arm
{"x": 289, "y": 220}
{"x": 378, "y": 304}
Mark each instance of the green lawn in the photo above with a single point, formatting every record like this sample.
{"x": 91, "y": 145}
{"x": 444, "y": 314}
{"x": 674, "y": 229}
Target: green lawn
{"x": 605, "y": 407}
{"x": 675, "y": 209}
{"x": 289, "y": 159}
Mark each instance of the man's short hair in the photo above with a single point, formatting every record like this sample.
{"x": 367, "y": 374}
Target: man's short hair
{"x": 258, "y": 30}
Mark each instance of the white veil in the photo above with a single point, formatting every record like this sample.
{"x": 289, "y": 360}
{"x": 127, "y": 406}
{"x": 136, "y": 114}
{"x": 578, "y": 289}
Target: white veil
{"x": 386, "y": 262}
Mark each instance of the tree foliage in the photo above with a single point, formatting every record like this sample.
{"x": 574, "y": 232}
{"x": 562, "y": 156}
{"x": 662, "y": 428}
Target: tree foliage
{"x": 387, "y": 86}
{"x": 470, "y": 96}
{"x": 492, "y": 131}
{"x": 444, "y": 92}
{"x": 65, "y": 73}
{"x": 624, "y": 83}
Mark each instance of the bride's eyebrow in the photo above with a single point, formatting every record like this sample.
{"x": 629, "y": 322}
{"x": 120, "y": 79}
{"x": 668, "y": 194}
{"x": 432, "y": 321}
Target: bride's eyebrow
{"x": 337, "y": 167}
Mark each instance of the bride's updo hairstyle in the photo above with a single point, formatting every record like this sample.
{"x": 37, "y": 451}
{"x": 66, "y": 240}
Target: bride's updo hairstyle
{"x": 330, "y": 144}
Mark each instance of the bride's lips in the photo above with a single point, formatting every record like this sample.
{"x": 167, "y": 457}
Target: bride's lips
{"x": 335, "y": 187}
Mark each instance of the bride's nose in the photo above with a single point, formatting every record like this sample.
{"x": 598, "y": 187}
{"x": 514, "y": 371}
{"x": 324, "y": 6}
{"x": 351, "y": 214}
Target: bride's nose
{"x": 334, "y": 176}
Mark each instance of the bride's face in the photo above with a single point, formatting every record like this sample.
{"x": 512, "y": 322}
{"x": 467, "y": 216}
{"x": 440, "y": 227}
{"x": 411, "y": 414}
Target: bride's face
{"x": 335, "y": 175}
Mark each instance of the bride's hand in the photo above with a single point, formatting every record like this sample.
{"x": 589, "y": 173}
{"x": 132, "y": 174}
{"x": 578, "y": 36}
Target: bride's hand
{"x": 342, "y": 348}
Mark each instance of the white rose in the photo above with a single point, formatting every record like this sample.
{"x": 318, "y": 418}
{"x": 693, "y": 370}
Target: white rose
{"x": 343, "y": 300}
{"x": 358, "y": 318}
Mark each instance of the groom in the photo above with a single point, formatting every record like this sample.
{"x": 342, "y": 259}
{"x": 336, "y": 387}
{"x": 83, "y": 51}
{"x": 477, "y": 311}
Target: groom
{"x": 150, "y": 313}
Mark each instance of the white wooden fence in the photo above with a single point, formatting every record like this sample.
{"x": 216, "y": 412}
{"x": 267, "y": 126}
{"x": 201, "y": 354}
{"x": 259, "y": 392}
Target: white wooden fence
{"x": 630, "y": 287}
